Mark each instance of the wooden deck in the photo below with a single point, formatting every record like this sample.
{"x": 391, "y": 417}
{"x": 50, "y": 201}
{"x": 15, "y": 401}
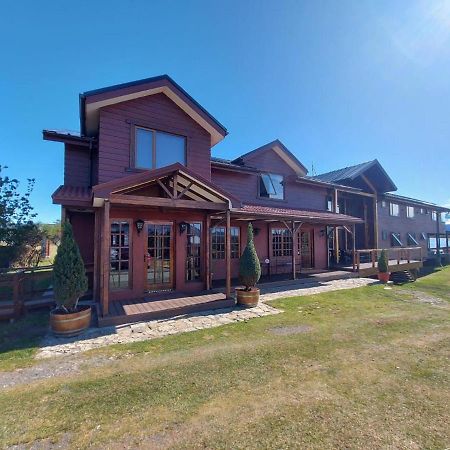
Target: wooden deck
{"x": 367, "y": 269}
{"x": 162, "y": 306}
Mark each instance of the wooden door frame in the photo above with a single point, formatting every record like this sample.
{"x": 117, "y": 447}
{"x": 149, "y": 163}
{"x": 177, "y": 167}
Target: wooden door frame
{"x": 171, "y": 285}
{"x": 311, "y": 247}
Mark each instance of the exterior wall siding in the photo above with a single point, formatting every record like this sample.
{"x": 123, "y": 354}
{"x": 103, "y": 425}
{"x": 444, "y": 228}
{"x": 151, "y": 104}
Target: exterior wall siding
{"x": 158, "y": 112}
{"x": 245, "y": 187}
{"x": 77, "y": 166}
{"x": 421, "y": 223}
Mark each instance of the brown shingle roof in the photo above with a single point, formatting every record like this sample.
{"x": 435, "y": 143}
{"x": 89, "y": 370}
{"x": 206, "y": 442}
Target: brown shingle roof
{"x": 310, "y": 216}
{"x": 72, "y": 195}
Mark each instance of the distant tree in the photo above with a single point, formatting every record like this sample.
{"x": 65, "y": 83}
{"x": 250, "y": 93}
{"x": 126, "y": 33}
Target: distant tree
{"x": 18, "y": 232}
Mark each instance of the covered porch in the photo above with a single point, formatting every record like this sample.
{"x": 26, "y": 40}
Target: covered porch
{"x": 167, "y": 242}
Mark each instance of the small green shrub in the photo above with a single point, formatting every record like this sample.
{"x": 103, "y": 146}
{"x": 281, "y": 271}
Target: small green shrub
{"x": 69, "y": 277}
{"x": 249, "y": 266}
{"x": 383, "y": 262}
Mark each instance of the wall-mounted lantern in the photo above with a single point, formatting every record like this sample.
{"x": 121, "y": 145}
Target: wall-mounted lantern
{"x": 182, "y": 227}
{"x": 139, "y": 225}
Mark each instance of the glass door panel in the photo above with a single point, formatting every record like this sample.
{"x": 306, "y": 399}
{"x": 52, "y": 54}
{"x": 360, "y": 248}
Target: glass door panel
{"x": 159, "y": 257}
{"x": 306, "y": 249}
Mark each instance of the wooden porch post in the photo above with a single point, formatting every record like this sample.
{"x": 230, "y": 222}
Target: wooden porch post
{"x": 438, "y": 239}
{"x": 294, "y": 247}
{"x": 104, "y": 260}
{"x": 354, "y": 246}
{"x": 336, "y": 230}
{"x": 95, "y": 283}
{"x": 375, "y": 221}
{"x": 208, "y": 253}
{"x": 228, "y": 255}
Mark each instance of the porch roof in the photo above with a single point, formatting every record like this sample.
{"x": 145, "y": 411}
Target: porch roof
{"x": 300, "y": 215}
{"x": 72, "y": 196}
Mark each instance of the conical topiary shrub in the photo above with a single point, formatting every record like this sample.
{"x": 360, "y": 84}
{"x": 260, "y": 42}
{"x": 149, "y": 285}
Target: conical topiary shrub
{"x": 249, "y": 266}
{"x": 69, "y": 277}
{"x": 383, "y": 262}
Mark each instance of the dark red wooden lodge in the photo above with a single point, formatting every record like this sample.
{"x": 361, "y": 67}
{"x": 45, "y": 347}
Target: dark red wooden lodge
{"x": 160, "y": 222}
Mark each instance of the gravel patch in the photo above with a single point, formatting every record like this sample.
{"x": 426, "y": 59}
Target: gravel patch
{"x": 49, "y": 369}
{"x": 315, "y": 288}
{"x": 422, "y": 297}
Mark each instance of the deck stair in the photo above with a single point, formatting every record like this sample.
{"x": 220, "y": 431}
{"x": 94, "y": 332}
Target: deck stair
{"x": 403, "y": 276}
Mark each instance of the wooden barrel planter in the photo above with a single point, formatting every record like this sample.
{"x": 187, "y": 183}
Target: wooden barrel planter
{"x": 247, "y": 298}
{"x": 384, "y": 276}
{"x": 70, "y": 324}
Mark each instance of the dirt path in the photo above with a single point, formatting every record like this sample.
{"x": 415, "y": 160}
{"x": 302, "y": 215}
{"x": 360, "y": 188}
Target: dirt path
{"x": 50, "y": 368}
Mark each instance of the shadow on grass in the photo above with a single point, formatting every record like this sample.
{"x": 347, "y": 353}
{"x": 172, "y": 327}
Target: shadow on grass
{"x": 20, "y": 340}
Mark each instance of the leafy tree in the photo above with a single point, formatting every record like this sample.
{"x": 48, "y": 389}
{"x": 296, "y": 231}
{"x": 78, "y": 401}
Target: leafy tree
{"x": 249, "y": 266}
{"x": 69, "y": 277}
{"x": 17, "y": 230}
{"x": 383, "y": 262}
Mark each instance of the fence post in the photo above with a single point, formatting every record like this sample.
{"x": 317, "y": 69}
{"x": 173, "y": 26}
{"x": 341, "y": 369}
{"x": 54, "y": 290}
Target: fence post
{"x": 17, "y": 297}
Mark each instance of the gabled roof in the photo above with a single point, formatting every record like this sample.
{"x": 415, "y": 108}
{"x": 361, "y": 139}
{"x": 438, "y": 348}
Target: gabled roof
{"x": 281, "y": 150}
{"x": 352, "y": 172}
{"x": 104, "y": 190}
{"x": 92, "y": 101}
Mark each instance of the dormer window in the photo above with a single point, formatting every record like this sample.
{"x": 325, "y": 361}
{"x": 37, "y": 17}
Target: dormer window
{"x": 271, "y": 186}
{"x": 155, "y": 149}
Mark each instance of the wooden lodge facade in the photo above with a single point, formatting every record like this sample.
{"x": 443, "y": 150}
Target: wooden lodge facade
{"x": 154, "y": 214}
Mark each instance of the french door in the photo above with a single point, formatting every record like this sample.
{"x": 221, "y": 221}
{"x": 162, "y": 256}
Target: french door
{"x": 159, "y": 256}
{"x": 306, "y": 249}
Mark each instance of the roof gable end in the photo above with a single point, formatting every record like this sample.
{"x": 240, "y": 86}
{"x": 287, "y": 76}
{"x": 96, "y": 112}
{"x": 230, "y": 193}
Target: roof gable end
{"x": 92, "y": 101}
{"x": 281, "y": 150}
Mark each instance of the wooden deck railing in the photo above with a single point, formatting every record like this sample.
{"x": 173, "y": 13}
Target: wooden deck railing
{"x": 11, "y": 295}
{"x": 398, "y": 254}
{"x": 23, "y": 288}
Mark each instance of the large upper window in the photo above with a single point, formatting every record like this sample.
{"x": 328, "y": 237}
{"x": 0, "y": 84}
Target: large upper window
{"x": 154, "y": 149}
{"x": 410, "y": 211}
{"x": 271, "y": 186}
{"x": 394, "y": 209}
{"x": 433, "y": 215}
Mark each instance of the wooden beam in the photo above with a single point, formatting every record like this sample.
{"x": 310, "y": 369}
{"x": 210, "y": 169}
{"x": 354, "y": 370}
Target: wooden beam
{"x": 208, "y": 253}
{"x": 131, "y": 200}
{"x": 294, "y": 274}
{"x": 165, "y": 188}
{"x": 95, "y": 286}
{"x": 366, "y": 226}
{"x": 105, "y": 263}
{"x": 184, "y": 190}
{"x": 175, "y": 185}
{"x": 368, "y": 182}
{"x": 228, "y": 255}
{"x": 354, "y": 246}
{"x": 336, "y": 230}
{"x": 375, "y": 222}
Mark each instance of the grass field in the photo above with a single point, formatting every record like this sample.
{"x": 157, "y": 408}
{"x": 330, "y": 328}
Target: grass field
{"x": 364, "y": 368}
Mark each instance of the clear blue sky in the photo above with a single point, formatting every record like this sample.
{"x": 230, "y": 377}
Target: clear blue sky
{"x": 339, "y": 82}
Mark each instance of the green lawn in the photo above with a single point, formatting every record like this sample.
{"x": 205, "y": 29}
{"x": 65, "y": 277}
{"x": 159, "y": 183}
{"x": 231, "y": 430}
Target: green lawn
{"x": 367, "y": 368}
